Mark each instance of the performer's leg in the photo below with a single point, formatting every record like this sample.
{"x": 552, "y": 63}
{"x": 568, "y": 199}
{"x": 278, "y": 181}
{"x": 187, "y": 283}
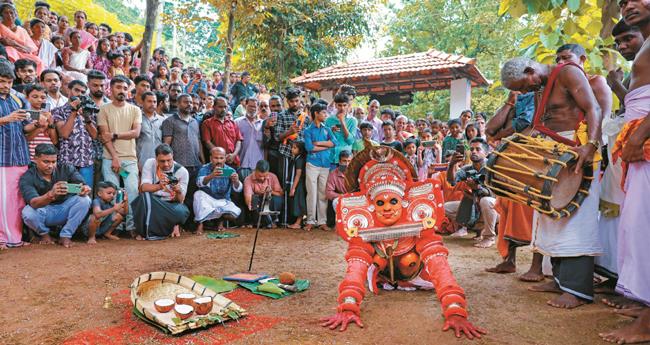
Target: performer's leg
{"x": 534, "y": 274}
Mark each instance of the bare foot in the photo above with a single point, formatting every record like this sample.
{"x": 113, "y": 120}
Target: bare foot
{"x": 139, "y": 238}
{"x": 199, "y": 229}
{"x": 324, "y": 227}
{"x": 619, "y": 302}
{"x": 504, "y": 267}
{"x": 111, "y": 237}
{"x": 176, "y": 232}
{"x": 486, "y": 242}
{"x": 546, "y": 287}
{"x": 46, "y": 239}
{"x": 531, "y": 277}
{"x": 66, "y": 242}
{"x": 606, "y": 288}
{"x": 630, "y": 312}
{"x": 91, "y": 241}
{"x": 220, "y": 227}
{"x": 566, "y": 301}
{"x": 3, "y": 247}
{"x": 636, "y": 332}
{"x": 294, "y": 226}
{"x": 308, "y": 227}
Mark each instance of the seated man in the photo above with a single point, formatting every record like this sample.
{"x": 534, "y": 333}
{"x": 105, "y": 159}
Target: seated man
{"x": 475, "y": 192}
{"x": 212, "y": 201}
{"x": 55, "y": 195}
{"x": 257, "y": 184}
{"x": 335, "y": 186}
{"x": 106, "y": 215}
{"x": 159, "y": 210}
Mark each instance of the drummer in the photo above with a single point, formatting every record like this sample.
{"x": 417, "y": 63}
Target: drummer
{"x": 571, "y": 242}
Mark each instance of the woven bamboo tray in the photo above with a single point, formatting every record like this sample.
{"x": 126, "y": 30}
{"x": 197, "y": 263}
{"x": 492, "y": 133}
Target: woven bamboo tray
{"x": 148, "y": 288}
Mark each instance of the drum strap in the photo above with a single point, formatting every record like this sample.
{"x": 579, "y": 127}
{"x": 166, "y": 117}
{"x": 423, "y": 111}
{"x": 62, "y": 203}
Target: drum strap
{"x": 541, "y": 109}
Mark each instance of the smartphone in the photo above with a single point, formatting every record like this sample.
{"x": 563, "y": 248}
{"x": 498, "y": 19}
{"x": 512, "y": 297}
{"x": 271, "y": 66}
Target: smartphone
{"x": 120, "y": 196}
{"x": 74, "y": 188}
{"x": 227, "y": 171}
{"x": 460, "y": 148}
{"x": 430, "y": 143}
{"x": 35, "y": 115}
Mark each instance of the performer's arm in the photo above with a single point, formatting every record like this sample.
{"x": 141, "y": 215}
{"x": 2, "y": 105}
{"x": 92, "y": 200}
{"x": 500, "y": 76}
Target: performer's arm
{"x": 352, "y": 288}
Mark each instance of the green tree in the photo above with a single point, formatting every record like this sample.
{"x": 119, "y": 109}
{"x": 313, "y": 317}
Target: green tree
{"x": 471, "y": 28}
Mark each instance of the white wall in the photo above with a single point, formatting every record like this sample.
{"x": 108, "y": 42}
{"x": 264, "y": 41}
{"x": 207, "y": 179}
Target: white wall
{"x": 461, "y": 97}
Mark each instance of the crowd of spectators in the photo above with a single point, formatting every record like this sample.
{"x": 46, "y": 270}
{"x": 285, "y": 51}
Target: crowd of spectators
{"x": 92, "y": 147}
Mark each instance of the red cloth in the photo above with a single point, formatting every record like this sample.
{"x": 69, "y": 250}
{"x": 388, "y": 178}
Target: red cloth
{"x": 515, "y": 222}
{"x": 224, "y": 134}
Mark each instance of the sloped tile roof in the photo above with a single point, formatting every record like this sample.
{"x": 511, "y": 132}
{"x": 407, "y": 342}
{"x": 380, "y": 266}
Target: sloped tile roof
{"x": 430, "y": 70}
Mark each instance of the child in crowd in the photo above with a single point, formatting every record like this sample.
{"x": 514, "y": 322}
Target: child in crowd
{"x": 411, "y": 152}
{"x": 297, "y": 192}
{"x": 428, "y": 153}
{"x": 366, "y": 129}
{"x": 389, "y": 136}
{"x": 106, "y": 214}
{"x": 45, "y": 133}
{"x": 454, "y": 138}
{"x": 471, "y": 131}
{"x": 117, "y": 59}
{"x": 436, "y": 131}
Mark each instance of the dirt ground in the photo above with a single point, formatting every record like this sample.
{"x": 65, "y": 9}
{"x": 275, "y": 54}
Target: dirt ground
{"x": 52, "y": 295}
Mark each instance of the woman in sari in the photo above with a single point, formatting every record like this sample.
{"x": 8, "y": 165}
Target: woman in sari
{"x": 87, "y": 40}
{"x": 16, "y": 39}
{"x": 62, "y": 25}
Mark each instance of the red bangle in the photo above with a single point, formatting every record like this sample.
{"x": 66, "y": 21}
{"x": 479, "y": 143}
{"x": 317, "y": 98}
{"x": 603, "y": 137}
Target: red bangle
{"x": 455, "y": 311}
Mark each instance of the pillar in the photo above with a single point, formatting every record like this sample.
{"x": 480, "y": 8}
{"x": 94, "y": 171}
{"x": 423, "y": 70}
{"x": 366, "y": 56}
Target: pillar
{"x": 461, "y": 97}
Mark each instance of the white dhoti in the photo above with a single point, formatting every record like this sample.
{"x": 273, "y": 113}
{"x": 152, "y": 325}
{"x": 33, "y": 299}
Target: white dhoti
{"x": 634, "y": 226}
{"x": 572, "y": 236}
{"x": 207, "y": 207}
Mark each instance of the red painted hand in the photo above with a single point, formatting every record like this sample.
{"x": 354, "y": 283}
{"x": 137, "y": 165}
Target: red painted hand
{"x": 461, "y": 325}
{"x": 341, "y": 319}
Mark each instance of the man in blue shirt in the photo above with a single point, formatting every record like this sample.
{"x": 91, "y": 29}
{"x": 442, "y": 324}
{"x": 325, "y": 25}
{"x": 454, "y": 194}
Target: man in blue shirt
{"x": 216, "y": 181}
{"x": 319, "y": 141}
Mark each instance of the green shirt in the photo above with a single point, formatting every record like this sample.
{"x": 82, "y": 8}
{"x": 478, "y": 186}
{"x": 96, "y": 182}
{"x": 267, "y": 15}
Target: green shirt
{"x": 360, "y": 146}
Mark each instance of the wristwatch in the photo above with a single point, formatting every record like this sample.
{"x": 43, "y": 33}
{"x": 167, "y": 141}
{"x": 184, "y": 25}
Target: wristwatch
{"x": 114, "y": 137}
{"x": 596, "y": 143}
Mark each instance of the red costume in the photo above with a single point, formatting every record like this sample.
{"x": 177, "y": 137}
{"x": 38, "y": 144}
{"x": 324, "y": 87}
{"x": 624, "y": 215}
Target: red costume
{"x": 390, "y": 225}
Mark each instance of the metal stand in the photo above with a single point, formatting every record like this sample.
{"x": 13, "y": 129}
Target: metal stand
{"x": 264, "y": 209}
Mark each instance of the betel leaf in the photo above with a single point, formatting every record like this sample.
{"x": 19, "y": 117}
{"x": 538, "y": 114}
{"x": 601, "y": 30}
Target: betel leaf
{"x": 177, "y": 321}
{"x": 573, "y": 5}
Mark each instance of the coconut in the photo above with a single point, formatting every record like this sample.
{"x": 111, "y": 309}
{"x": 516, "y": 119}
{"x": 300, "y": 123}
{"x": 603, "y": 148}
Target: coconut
{"x": 164, "y": 305}
{"x": 183, "y": 311}
{"x": 185, "y": 298}
{"x": 203, "y": 305}
{"x": 287, "y": 278}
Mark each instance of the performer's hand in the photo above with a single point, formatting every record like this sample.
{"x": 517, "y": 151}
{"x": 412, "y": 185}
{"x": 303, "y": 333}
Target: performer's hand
{"x": 585, "y": 156}
{"x": 342, "y": 319}
{"x": 462, "y": 325}
{"x": 633, "y": 149}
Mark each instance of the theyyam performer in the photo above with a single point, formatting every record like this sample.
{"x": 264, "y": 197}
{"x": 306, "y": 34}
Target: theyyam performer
{"x": 389, "y": 224}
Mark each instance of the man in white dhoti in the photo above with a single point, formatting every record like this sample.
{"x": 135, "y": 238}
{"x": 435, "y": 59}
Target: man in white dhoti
{"x": 571, "y": 242}
{"x": 633, "y": 147}
{"x": 216, "y": 181}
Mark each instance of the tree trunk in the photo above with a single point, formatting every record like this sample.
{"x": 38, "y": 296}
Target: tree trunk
{"x": 151, "y": 13}
{"x": 610, "y": 11}
{"x": 229, "y": 48}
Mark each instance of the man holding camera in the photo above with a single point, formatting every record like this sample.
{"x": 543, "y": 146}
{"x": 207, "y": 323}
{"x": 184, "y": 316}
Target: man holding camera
{"x": 76, "y": 124}
{"x": 159, "y": 210}
{"x": 55, "y": 194}
{"x": 476, "y": 194}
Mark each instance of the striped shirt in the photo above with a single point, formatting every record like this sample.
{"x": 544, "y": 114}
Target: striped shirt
{"x": 40, "y": 138}
{"x": 13, "y": 144}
